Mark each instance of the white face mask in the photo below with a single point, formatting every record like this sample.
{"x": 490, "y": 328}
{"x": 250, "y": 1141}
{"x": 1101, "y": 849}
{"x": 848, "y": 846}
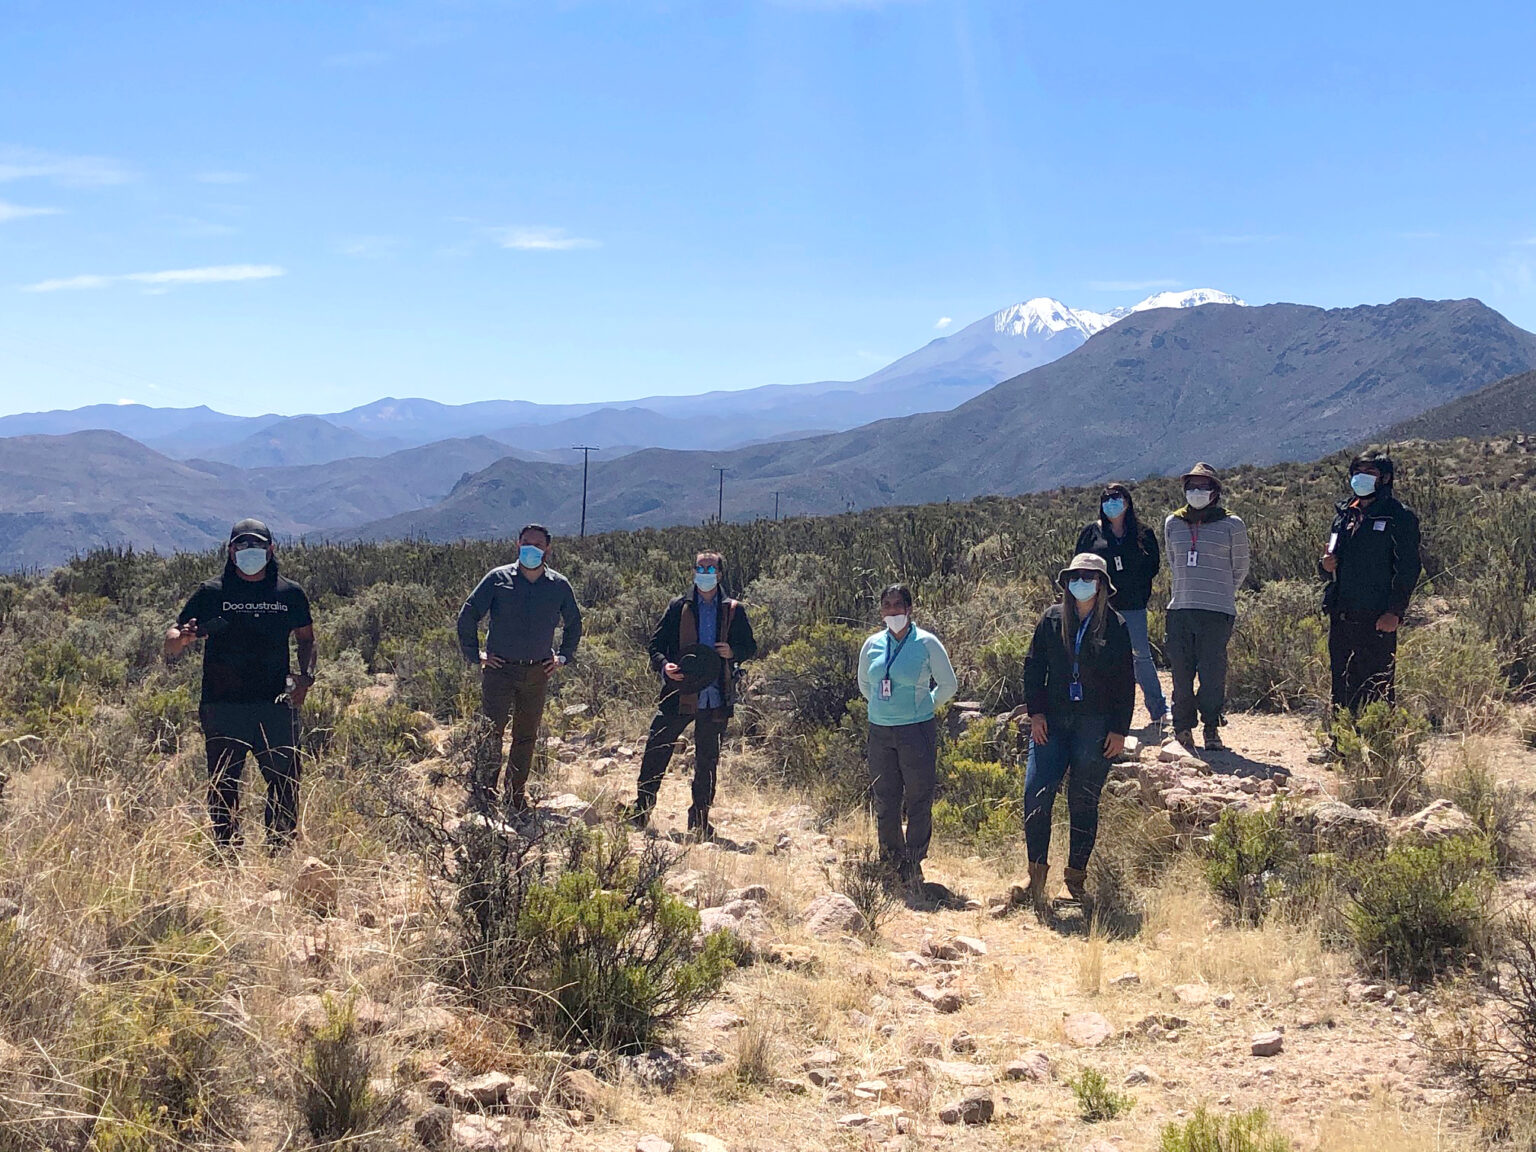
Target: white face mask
{"x": 1198, "y": 497}
{"x": 251, "y": 560}
{"x": 895, "y": 623}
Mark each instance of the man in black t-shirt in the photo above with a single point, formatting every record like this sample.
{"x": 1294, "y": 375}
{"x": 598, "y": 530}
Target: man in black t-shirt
{"x": 250, "y": 702}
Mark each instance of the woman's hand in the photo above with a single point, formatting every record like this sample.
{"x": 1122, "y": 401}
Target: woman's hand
{"x": 1039, "y": 733}
{"x": 1114, "y": 744}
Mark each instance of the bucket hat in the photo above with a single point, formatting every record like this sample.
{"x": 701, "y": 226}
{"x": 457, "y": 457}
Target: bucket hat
{"x": 1087, "y": 562}
{"x": 700, "y": 666}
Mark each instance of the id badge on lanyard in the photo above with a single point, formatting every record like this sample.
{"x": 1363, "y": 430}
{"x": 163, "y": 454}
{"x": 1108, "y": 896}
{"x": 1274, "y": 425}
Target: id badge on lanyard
{"x": 1193, "y": 560}
{"x": 885, "y": 688}
{"x": 890, "y": 657}
{"x": 1075, "y": 688}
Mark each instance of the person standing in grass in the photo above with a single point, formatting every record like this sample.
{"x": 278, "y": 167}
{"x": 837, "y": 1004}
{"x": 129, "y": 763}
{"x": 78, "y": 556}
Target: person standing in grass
{"x": 1207, "y": 563}
{"x": 250, "y": 700}
{"x": 905, "y": 675}
{"x": 1080, "y": 691}
{"x": 1372, "y": 566}
{"x": 704, "y": 618}
{"x": 525, "y": 601}
{"x": 1131, "y": 551}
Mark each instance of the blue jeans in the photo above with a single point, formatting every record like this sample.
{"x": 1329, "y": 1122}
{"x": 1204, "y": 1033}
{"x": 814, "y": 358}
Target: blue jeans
{"x": 1074, "y": 751}
{"x": 1146, "y": 670}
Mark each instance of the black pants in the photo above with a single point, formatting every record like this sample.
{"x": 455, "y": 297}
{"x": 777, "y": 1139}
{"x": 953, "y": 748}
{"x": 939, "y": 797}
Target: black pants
{"x": 1073, "y": 752}
{"x": 271, "y": 732}
{"x": 1197, "y": 646}
{"x": 666, "y": 727}
{"x": 1363, "y": 662}
{"x": 903, "y": 765}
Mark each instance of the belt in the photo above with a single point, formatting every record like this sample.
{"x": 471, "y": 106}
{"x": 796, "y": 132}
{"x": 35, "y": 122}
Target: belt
{"x": 520, "y": 663}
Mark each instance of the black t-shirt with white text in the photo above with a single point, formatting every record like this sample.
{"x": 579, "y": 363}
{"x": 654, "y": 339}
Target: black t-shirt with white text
{"x": 246, "y": 624}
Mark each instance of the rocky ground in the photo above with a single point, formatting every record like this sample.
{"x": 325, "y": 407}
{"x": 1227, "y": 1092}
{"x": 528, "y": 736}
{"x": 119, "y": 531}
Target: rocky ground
{"x": 957, "y": 1025}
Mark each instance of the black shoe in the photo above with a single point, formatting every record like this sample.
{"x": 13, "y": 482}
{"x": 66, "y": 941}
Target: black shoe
{"x": 638, "y": 816}
{"x": 1213, "y": 741}
{"x": 699, "y": 827}
{"x": 1184, "y": 738}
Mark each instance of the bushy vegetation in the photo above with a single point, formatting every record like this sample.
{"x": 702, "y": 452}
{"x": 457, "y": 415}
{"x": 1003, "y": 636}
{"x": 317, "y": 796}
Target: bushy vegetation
{"x": 335, "y": 1096}
{"x": 1208, "y": 1131}
{"x": 1244, "y": 857}
{"x": 1096, "y": 1100}
{"x": 1380, "y": 758}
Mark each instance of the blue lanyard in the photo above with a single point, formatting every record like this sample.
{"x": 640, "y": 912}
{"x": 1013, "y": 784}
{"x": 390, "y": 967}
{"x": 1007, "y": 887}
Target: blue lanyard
{"x": 1077, "y": 647}
{"x": 900, "y": 644}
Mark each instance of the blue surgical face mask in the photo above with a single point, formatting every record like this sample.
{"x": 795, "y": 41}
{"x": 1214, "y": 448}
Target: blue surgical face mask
{"x": 1362, "y": 484}
{"x": 1114, "y": 506}
{"x": 1083, "y": 589}
{"x": 530, "y": 556}
{"x": 250, "y": 560}
{"x": 705, "y": 581}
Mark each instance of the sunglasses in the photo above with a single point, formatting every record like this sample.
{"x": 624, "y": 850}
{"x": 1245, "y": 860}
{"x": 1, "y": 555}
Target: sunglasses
{"x": 703, "y": 569}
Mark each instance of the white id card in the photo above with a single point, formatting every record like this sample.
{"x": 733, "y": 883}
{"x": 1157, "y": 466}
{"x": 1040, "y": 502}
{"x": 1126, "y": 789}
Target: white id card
{"x": 1119, "y": 564}
{"x": 885, "y": 688}
{"x": 1380, "y": 526}
{"x": 1194, "y": 559}
{"x": 1333, "y": 542}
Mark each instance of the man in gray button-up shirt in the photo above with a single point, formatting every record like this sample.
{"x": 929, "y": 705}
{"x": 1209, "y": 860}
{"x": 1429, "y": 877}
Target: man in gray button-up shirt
{"x": 525, "y": 601}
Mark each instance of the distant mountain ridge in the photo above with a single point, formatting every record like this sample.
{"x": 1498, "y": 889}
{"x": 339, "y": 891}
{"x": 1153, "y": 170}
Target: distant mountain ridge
{"x": 943, "y": 373}
{"x": 1507, "y": 405}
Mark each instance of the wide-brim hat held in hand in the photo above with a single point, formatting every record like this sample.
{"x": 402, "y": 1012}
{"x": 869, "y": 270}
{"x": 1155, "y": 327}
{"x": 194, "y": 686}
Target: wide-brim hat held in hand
{"x": 700, "y": 666}
{"x": 1087, "y": 562}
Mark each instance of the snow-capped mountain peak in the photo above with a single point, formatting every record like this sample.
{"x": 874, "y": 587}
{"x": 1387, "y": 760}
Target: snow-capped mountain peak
{"x": 1190, "y": 298}
{"x": 1043, "y": 316}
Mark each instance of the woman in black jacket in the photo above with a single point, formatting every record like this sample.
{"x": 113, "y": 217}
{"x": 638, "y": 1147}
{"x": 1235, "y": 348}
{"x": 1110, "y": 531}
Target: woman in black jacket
{"x": 1131, "y": 551}
{"x": 1080, "y": 689}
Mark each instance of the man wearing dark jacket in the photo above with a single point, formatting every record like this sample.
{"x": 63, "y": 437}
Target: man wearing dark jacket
{"x": 1372, "y": 565}
{"x": 703, "y": 617}
{"x": 250, "y": 701}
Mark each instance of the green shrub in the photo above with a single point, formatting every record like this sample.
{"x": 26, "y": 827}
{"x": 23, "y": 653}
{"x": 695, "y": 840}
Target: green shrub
{"x": 1000, "y": 674}
{"x": 1452, "y": 676}
{"x": 1095, "y": 1099}
{"x": 1278, "y": 656}
{"x": 1207, "y": 1131}
{"x": 582, "y": 935}
{"x": 1243, "y": 855}
{"x": 1417, "y": 911}
{"x": 375, "y": 622}
{"x": 817, "y": 674}
{"x": 335, "y": 1097}
{"x": 1499, "y": 808}
{"x": 871, "y": 883}
{"x": 1133, "y": 848}
{"x": 979, "y": 800}
{"x": 831, "y": 762}
{"x": 1380, "y": 760}
{"x": 433, "y": 677}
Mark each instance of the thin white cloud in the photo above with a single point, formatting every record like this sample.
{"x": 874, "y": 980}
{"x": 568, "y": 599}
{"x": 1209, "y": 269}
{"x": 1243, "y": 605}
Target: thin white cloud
{"x": 213, "y": 274}
{"x": 944, "y": 322}
{"x": 221, "y": 177}
{"x": 1130, "y": 285}
{"x": 541, "y": 239}
{"x": 69, "y": 171}
{"x": 21, "y": 212}
{"x": 367, "y": 247}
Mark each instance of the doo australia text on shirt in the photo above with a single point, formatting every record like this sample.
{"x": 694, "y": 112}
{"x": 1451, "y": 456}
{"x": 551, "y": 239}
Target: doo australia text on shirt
{"x": 247, "y": 626}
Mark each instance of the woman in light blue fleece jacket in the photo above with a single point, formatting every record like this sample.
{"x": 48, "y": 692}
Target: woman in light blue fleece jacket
{"x": 905, "y": 674}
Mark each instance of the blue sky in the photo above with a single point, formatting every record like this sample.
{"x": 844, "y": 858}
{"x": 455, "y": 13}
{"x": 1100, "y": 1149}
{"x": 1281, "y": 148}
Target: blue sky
{"x": 300, "y": 207}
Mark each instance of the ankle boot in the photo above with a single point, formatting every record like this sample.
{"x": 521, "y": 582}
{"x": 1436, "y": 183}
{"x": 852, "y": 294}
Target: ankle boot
{"x": 1038, "y": 874}
{"x": 1077, "y": 884}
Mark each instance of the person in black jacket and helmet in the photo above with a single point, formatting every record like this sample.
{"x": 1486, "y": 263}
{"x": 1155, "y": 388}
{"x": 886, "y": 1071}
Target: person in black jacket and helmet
{"x": 1371, "y": 565}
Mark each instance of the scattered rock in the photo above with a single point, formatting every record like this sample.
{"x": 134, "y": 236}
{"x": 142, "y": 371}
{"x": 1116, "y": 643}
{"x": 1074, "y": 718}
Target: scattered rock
{"x": 1172, "y": 752}
{"x": 963, "y": 1043}
{"x": 756, "y": 892}
{"x": 1192, "y": 995}
{"x": 854, "y": 1120}
{"x": 316, "y": 886}
{"x": 832, "y": 914}
{"x": 660, "y": 1068}
{"x": 1140, "y": 1074}
{"x": 926, "y": 1044}
{"x": 821, "y": 1058}
{"x": 433, "y": 1127}
{"x": 941, "y": 999}
{"x": 1086, "y": 1029}
{"x": 1303, "y": 985}
{"x": 475, "y": 1133}
{"x": 1126, "y": 980}
{"x": 975, "y": 1107}
{"x": 959, "y": 1072}
{"x": 822, "y": 1077}
{"x": 583, "y": 1092}
{"x": 1361, "y": 993}
{"x": 1225, "y": 1000}
{"x": 1033, "y": 1066}
{"x": 568, "y": 806}
{"x": 969, "y": 946}
{"x": 1268, "y": 1044}
{"x": 1441, "y": 820}
{"x": 702, "y": 1142}
{"x": 1334, "y": 827}
{"x": 796, "y": 1087}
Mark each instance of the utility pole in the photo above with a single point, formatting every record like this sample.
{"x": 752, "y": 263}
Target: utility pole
{"x": 586, "y": 451}
{"x": 775, "y": 507}
{"x": 720, "y": 505}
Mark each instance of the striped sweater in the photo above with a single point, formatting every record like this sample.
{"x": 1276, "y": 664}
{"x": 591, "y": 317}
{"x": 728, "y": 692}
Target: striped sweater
{"x": 1221, "y": 555}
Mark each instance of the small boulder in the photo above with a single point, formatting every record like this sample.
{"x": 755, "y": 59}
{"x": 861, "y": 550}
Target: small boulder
{"x": 476, "y": 1133}
{"x": 1140, "y": 1074}
{"x": 854, "y": 1120}
{"x": 316, "y": 886}
{"x": 1441, "y": 820}
{"x": 702, "y": 1142}
{"x": 969, "y": 946}
{"x": 963, "y": 1043}
{"x": 582, "y": 1092}
{"x": 1034, "y": 1066}
{"x": 487, "y": 1091}
{"x": 1086, "y": 1029}
{"x": 821, "y": 1058}
{"x": 433, "y": 1127}
{"x": 941, "y": 999}
{"x": 975, "y": 1107}
{"x": 1126, "y": 980}
{"x": 832, "y": 914}
{"x": 1268, "y": 1044}
{"x": 1192, "y": 995}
